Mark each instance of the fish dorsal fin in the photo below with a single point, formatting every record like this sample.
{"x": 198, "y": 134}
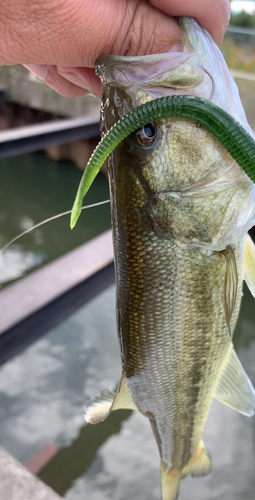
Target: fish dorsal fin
{"x": 199, "y": 464}
{"x": 234, "y": 387}
{"x": 249, "y": 264}
{"x": 230, "y": 284}
{"x": 99, "y": 407}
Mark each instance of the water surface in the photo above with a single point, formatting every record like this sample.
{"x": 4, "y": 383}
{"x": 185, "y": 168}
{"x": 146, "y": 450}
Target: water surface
{"x": 33, "y": 188}
{"x": 44, "y": 389}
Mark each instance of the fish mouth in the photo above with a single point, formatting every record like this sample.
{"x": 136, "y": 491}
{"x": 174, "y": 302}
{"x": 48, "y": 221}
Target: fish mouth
{"x": 170, "y": 70}
{"x": 155, "y": 75}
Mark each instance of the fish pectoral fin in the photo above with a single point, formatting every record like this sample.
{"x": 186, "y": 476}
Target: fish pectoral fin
{"x": 101, "y": 405}
{"x": 249, "y": 264}
{"x": 230, "y": 284}
{"x": 234, "y": 387}
{"x": 199, "y": 465}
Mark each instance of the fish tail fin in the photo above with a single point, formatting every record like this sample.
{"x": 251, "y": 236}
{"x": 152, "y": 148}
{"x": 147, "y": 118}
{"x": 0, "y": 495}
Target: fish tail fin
{"x": 198, "y": 465}
{"x": 170, "y": 483}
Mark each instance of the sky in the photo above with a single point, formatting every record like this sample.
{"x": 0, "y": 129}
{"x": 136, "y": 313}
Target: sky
{"x": 238, "y": 5}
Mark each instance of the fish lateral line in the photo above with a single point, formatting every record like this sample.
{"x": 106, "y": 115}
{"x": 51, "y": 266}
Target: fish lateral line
{"x": 234, "y": 138}
{"x": 45, "y": 221}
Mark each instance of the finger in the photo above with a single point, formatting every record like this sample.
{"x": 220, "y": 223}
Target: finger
{"x": 57, "y": 82}
{"x": 82, "y": 77}
{"x": 213, "y": 15}
{"x": 145, "y": 30}
{"x": 76, "y": 34}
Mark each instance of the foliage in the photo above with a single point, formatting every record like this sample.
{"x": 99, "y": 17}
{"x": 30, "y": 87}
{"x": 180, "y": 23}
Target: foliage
{"x": 238, "y": 56}
{"x": 243, "y": 19}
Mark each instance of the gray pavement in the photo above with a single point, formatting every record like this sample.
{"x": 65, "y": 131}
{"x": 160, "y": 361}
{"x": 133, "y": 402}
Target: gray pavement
{"x": 17, "y": 483}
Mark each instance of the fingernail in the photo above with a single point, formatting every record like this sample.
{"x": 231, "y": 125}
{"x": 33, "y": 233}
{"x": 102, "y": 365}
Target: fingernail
{"x": 40, "y": 70}
{"x": 74, "y": 77}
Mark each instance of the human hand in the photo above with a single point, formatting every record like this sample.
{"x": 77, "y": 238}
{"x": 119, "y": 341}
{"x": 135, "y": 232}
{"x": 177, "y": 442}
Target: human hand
{"x": 60, "y": 40}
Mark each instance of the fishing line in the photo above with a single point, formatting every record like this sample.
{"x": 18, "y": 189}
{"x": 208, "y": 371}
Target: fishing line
{"x": 213, "y": 84}
{"x": 2, "y": 250}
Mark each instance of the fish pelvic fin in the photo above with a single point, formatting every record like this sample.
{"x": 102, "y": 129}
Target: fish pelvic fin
{"x": 101, "y": 405}
{"x": 234, "y": 387}
{"x": 198, "y": 465}
{"x": 249, "y": 264}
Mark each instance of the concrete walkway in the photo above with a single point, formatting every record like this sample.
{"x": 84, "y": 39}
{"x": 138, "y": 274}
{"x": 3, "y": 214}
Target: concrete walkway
{"x": 17, "y": 483}
{"x": 33, "y": 292}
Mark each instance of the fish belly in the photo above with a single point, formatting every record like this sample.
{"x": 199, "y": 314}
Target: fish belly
{"x": 173, "y": 334}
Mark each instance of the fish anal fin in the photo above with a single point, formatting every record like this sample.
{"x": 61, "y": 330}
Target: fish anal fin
{"x": 249, "y": 264}
{"x": 234, "y": 387}
{"x": 123, "y": 398}
{"x": 230, "y": 284}
{"x": 199, "y": 465}
{"x": 99, "y": 407}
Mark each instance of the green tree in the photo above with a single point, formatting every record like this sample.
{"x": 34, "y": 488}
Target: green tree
{"x": 243, "y": 19}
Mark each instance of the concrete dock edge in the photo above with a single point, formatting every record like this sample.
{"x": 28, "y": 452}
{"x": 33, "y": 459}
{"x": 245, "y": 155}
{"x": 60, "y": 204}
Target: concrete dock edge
{"x": 17, "y": 483}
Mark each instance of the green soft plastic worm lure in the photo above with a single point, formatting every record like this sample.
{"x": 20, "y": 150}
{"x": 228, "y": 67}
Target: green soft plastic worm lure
{"x": 223, "y": 126}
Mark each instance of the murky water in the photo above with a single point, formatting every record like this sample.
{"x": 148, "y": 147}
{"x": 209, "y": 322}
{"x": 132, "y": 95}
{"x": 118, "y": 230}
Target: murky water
{"x": 33, "y": 188}
{"x": 42, "y": 394}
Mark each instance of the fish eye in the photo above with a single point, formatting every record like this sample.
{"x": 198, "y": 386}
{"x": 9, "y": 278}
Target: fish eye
{"x": 146, "y": 135}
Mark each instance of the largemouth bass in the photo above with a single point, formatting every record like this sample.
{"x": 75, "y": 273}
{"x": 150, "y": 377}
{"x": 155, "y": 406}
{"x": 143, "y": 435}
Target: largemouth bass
{"x": 181, "y": 208}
